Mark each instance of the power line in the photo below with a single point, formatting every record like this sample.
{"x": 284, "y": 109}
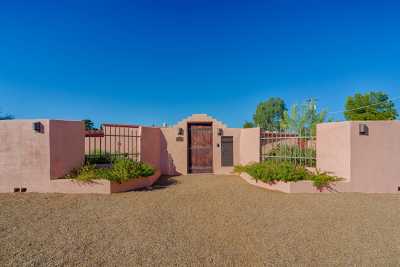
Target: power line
{"x": 346, "y": 110}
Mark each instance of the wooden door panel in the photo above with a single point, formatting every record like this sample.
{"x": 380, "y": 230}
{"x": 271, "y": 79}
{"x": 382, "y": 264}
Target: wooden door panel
{"x": 200, "y": 149}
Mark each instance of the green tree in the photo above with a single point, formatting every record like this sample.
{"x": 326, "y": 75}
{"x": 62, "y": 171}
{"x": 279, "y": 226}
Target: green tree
{"x": 89, "y": 125}
{"x": 248, "y": 124}
{"x": 303, "y": 118}
{"x": 269, "y": 114}
{"x": 370, "y": 106}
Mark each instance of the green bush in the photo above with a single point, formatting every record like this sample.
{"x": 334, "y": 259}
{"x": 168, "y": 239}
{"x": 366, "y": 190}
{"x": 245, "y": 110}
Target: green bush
{"x": 99, "y": 158}
{"x": 123, "y": 169}
{"x": 86, "y": 173}
{"x": 271, "y": 171}
{"x": 323, "y": 180}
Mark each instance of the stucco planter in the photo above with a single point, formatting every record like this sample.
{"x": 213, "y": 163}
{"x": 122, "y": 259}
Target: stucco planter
{"x": 289, "y": 187}
{"x": 101, "y": 186}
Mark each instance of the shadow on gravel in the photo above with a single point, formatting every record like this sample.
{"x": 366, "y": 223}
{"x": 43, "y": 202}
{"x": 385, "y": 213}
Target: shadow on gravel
{"x": 164, "y": 182}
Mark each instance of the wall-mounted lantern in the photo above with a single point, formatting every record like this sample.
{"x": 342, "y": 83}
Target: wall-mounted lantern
{"x": 220, "y": 132}
{"x": 363, "y": 129}
{"x": 38, "y": 127}
{"x": 181, "y": 131}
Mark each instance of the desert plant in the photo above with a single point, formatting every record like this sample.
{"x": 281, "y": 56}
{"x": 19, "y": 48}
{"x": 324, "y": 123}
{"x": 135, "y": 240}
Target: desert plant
{"x": 270, "y": 172}
{"x": 86, "y": 173}
{"x": 323, "y": 180}
{"x": 123, "y": 169}
{"x": 295, "y": 154}
{"x": 303, "y": 118}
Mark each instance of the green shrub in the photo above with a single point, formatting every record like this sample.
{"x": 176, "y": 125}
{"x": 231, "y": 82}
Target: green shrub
{"x": 323, "y": 180}
{"x": 99, "y": 158}
{"x": 86, "y": 173}
{"x": 240, "y": 168}
{"x": 271, "y": 171}
{"x": 123, "y": 169}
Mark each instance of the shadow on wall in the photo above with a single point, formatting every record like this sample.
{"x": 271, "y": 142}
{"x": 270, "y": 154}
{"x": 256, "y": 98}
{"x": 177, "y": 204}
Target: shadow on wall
{"x": 167, "y": 162}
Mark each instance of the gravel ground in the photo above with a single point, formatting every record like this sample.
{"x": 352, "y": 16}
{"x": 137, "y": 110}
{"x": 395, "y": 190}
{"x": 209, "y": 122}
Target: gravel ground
{"x": 200, "y": 220}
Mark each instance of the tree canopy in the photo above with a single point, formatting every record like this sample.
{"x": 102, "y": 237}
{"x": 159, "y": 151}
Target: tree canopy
{"x": 370, "y": 106}
{"x": 269, "y": 114}
{"x": 248, "y": 124}
{"x": 89, "y": 125}
{"x": 303, "y": 118}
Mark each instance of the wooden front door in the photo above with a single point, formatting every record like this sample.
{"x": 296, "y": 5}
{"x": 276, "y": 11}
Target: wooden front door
{"x": 200, "y": 147}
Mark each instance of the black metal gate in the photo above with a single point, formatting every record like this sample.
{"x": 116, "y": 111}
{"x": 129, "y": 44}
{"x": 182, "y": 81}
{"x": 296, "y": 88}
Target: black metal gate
{"x": 296, "y": 147}
{"x": 112, "y": 141}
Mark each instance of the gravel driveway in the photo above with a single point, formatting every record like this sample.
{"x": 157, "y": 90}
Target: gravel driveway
{"x": 200, "y": 220}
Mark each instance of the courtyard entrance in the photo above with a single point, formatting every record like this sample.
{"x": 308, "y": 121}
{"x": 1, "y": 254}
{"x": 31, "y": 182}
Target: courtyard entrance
{"x": 200, "y": 148}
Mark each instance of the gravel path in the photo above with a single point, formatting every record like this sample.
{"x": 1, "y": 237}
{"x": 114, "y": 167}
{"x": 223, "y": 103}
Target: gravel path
{"x": 200, "y": 220}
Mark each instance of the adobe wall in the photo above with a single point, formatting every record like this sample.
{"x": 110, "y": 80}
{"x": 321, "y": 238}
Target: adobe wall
{"x": 249, "y": 145}
{"x": 174, "y": 148}
{"x": 375, "y": 159}
{"x": 333, "y": 148}
{"x": 29, "y": 159}
{"x": 67, "y": 149}
{"x": 24, "y": 155}
{"x": 150, "y": 146}
{"x": 369, "y": 164}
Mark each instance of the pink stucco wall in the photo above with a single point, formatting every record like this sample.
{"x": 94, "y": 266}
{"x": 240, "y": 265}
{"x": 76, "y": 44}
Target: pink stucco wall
{"x": 174, "y": 153}
{"x": 367, "y": 164}
{"x": 29, "y": 159}
{"x": 67, "y": 150}
{"x": 24, "y": 155}
{"x": 150, "y": 146}
{"x": 333, "y": 148}
{"x": 249, "y": 145}
{"x": 71, "y": 186}
{"x": 370, "y": 163}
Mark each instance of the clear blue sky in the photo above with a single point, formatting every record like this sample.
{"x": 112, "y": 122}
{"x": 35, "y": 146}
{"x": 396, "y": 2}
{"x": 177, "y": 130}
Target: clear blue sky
{"x": 151, "y": 62}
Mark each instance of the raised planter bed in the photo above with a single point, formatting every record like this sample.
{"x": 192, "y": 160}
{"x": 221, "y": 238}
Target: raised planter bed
{"x": 102, "y": 186}
{"x": 289, "y": 187}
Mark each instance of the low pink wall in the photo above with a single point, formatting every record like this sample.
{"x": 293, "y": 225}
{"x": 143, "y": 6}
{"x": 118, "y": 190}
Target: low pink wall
{"x": 72, "y": 186}
{"x": 290, "y": 187}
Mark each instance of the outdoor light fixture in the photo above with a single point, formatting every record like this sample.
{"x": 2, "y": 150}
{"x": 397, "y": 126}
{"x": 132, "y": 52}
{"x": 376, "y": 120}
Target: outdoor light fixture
{"x": 363, "y": 129}
{"x": 181, "y": 131}
{"x": 38, "y": 127}
{"x": 220, "y": 132}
